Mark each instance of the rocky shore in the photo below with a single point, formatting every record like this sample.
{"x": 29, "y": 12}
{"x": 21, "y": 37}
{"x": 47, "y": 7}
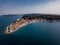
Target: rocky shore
{"x": 17, "y": 24}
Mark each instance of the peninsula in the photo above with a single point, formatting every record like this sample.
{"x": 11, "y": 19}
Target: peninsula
{"x": 28, "y": 19}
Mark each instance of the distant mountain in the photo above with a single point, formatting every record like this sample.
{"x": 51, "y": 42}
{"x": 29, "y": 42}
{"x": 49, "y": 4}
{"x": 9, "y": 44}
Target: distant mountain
{"x": 33, "y": 16}
{"x": 9, "y": 15}
{"x": 43, "y": 16}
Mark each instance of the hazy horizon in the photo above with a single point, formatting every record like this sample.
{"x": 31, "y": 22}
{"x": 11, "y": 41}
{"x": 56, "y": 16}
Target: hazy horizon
{"x": 29, "y": 6}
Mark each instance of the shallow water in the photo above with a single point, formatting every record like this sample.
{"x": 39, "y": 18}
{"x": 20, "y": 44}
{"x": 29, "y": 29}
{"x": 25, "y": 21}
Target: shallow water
{"x": 39, "y": 33}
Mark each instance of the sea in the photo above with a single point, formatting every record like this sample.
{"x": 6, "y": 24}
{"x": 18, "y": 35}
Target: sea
{"x": 38, "y": 33}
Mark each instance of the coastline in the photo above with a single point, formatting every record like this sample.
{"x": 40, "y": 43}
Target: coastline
{"x": 11, "y": 31}
{"x": 6, "y": 32}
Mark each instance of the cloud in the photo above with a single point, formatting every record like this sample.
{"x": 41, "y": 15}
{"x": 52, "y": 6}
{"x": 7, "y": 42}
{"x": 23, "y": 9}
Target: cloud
{"x": 48, "y": 8}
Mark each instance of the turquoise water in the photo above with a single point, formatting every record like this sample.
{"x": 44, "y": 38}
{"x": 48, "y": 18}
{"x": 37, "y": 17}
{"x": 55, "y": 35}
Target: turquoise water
{"x": 39, "y": 33}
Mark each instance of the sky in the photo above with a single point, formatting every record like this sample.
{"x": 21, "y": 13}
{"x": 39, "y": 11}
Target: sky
{"x": 29, "y": 6}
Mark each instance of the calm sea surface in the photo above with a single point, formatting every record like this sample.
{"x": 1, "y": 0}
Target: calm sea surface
{"x": 39, "y": 33}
